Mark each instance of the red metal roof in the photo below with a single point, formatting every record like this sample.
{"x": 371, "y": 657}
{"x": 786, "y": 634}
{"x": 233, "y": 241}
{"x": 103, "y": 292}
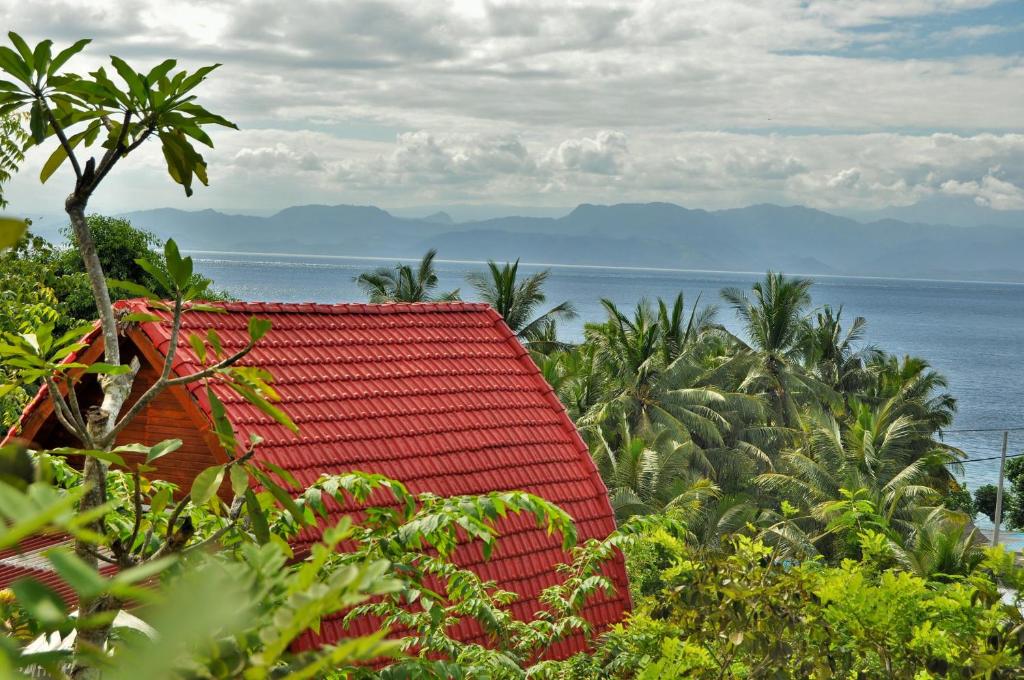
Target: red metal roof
{"x": 440, "y": 396}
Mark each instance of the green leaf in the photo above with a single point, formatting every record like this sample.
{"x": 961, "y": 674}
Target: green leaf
{"x": 41, "y": 56}
{"x": 108, "y": 369}
{"x": 156, "y": 273}
{"x": 108, "y": 456}
{"x": 179, "y": 268}
{"x": 283, "y": 474}
{"x": 37, "y": 122}
{"x": 214, "y": 339}
{"x": 160, "y": 70}
{"x": 221, "y": 423}
{"x": 198, "y": 347}
{"x": 160, "y": 500}
{"x": 283, "y": 497}
{"x": 162, "y": 449}
{"x": 15, "y": 65}
{"x": 55, "y": 160}
{"x": 254, "y": 398}
{"x": 11, "y": 231}
{"x": 23, "y": 48}
{"x": 66, "y": 54}
{"x": 140, "y": 317}
{"x": 41, "y": 602}
{"x": 258, "y": 328}
{"x": 128, "y": 74}
{"x": 16, "y": 467}
{"x": 206, "y": 483}
{"x": 257, "y": 519}
{"x": 79, "y": 575}
{"x": 133, "y": 288}
{"x": 239, "y": 480}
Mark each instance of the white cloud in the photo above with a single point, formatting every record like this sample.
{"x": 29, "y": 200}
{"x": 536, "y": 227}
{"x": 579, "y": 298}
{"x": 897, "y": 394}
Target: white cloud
{"x": 706, "y": 103}
{"x": 989, "y": 192}
{"x": 604, "y": 154}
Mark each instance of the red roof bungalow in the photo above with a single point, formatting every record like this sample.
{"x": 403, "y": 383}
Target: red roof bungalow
{"x": 440, "y": 396}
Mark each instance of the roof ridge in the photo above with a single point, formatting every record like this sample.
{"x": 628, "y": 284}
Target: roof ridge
{"x": 266, "y": 307}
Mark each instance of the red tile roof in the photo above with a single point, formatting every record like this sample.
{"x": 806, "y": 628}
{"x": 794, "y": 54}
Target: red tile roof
{"x": 438, "y": 395}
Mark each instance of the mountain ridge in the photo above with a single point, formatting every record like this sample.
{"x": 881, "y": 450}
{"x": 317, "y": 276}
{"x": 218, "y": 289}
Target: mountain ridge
{"x": 752, "y": 238}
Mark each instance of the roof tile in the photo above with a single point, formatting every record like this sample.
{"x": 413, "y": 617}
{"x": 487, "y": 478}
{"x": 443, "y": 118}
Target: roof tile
{"x": 441, "y": 396}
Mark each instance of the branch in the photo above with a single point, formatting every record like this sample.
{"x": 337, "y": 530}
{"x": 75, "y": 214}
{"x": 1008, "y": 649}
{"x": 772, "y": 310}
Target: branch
{"x": 59, "y": 131}
{"x": 118, "y": 145}
{"x": 164, "y": 382}
{"x": 115, "y": 153}
{"x": 212, "y": 370}
{"x": 105, "y": 169}
{"x": 161, "y": 383}
{"x": 138, "y": 508}
{"x": 76, "y": 410}
{"x": 63, "y": 413}
{"x": 174, "y": 515}
{"x": 96, "y": 553}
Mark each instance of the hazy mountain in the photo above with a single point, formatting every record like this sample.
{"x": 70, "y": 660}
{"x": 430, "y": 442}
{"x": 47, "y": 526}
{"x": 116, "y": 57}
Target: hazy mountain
{"x": 464, "y": 212}
{"x": 958, "y": 211}
{"x": 795, "y": 239}
{"x": 440, "y": 217}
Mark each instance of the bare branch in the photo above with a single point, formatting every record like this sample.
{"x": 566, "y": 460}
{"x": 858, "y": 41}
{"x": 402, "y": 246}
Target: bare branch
{"x": 96, "y": 553}
{"x": 76, "y": 410}
{"x": 63, "y": 413}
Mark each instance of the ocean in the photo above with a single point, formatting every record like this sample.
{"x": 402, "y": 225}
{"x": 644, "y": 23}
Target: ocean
{"x": 972, "y": 332}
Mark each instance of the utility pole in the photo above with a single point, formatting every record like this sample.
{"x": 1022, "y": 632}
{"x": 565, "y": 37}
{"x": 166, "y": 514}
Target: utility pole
{"x": 999, "y": 490}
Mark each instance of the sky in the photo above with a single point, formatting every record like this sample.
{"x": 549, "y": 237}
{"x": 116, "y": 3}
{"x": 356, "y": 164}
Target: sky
{"x": 834, "y": 104}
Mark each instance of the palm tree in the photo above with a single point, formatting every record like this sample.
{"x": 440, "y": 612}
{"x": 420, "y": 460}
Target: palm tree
{"x": 517, "y": 301}
{"x": 875, "y": 459}
{"x": 649, "y": 476}
{"x": 830, "y": 354}
{"x": 678, "y": 331}
{"x": 919, "y": 390}
{"x": 944, "y": 546}
{"x": 645, "y": 391}
{"x": 774, "y": 322}
{"x": 403, "y": 284}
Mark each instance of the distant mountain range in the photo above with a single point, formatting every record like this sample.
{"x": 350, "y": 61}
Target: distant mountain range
{"x": 793, "y": 239}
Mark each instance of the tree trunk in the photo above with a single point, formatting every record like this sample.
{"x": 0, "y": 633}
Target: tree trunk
{"x": 101, "y": 419}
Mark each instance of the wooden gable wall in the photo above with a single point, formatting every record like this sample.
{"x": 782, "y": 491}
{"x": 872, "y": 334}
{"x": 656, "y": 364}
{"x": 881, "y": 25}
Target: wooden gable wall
{"x": 172, "y": 415}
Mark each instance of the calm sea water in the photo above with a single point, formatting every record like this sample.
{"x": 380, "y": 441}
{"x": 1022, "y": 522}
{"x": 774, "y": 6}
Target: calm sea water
{"x": 971, "y": 332}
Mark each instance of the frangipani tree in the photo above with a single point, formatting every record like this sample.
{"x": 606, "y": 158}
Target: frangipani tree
{"x": 92, "y": 122}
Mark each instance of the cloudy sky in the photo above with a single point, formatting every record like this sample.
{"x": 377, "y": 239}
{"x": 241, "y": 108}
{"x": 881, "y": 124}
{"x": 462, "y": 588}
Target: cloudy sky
{"x": 837, "y": 104}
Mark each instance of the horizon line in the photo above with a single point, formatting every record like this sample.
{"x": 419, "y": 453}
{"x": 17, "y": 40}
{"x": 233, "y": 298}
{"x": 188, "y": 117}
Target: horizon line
{"x": 564, "y": 265}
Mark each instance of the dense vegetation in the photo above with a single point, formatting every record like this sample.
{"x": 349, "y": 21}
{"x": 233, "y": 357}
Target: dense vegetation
{"x": 785, "y": 500}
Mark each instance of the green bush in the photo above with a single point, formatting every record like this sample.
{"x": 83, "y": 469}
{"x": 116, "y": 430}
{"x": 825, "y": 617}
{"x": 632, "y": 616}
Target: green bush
{"x": 745, "y": 613}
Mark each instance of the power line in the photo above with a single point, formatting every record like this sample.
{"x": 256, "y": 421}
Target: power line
{"x": 987, "y": 429}
{"x": 978, "y": 460}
